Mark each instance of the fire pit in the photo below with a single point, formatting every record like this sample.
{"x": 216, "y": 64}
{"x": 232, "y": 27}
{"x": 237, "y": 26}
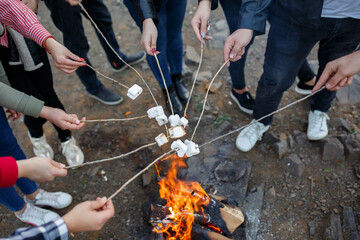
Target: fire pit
{"x": 185, "y": 211}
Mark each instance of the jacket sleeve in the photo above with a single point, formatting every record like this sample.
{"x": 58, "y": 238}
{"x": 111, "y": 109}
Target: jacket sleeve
{"x": 146, "y": 9}
{"x": 253, "y": 14}
{"x": 8, "y": 172}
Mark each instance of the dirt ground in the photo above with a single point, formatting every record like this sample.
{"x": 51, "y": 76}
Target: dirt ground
{"x": 324, "y": 187}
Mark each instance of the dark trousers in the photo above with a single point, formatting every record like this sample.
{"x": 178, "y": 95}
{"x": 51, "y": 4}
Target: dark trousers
{"x": 289, "y": 43}
{"x": 169, "y": 42}
{"x": 68, "y": 20}
{"x": 9, "y": 147}
{"x": 231, "y": 10}
{"x": 38, "y": 83}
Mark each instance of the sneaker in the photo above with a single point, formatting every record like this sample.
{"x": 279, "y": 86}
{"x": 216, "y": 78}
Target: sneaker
{"x": 72, "y": 152}
{"x": 303, "y": 88}
{"x": 129, "y": 59}
{"x": 317, "y": 127}
{"x": 36, "y": 216}
{"x": 57, "y": 200}
{"x": 106, "y": 96}
{"x": 41, "y": 148}
{"x": 247, "y": 138}
{"x": 245, "y": 101}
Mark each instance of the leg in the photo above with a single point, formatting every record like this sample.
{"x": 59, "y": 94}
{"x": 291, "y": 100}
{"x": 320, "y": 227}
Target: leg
{"x": 306, "y": 79}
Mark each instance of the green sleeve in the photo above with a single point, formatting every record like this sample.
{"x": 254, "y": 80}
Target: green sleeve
{"x": 16, "y": 100}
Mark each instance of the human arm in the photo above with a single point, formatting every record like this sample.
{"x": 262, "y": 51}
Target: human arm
{"x": 73, "y": 2}
{"x": 339, "y": 73}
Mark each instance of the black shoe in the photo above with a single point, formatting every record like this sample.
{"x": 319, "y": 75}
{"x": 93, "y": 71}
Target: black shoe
{"x": 176, "y": 104}
{"x": 106, "y": 96}
{"x": 245, "y": 101}
{"x": 181, "y": 90}
{"x": 303, "y": 89}
{"x": 130, "y": 59}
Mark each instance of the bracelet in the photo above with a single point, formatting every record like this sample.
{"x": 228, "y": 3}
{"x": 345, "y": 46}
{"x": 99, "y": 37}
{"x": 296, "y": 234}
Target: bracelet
{"x": 45, "y": 43}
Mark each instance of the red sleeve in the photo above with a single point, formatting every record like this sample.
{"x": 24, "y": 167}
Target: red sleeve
{"x": 8, "y": 172}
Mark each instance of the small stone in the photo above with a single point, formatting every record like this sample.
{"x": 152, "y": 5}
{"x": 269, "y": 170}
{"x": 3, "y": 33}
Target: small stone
{"x": 312, "y": 227}
{"x": 355, "y": 236}
{"x": 93, "y": 171}
{"x": 206, "y": 75}
{"x": 340, "y": 123}
{"x": 147, "y": 177}
{"x": 294, "y": 165}
{"x": 333, "y": 229}
{"x": 210, "y": 162}
{"x": 230, "y": 171}
{"x": 270, "y": 138}
{"x": 333, "y": 150}
{"x": 272, "y": 192}
{"x": 291, "y": 141}
{"x": 220, "y": 25}
{"x": 262, "y": 148}
{"x": 280, "y": 148}
{"x": 352, "y": 149}
{"x": 300, "y": 137}
{"x": 215, "y": 86}
{"x": 224, "y": 127}
{"x": 191, "y": 55}
{"x": 349, "y": 219}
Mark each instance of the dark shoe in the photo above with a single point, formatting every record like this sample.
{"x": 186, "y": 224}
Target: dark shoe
{"x": 303, "y": 89}
{"x": 130, "y": 59}
{"x": 106, "y": 96}
{"x": 245, "y": 101}
{"x": 181, "y": 90}
{"x": 176, "y": 104}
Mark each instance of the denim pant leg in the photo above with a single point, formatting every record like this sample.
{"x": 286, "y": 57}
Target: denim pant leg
{"x": 161, "y": 44}
{"x": 305, "y": 73}
{"x": 101, "y": 16}
{"x": 287, "y": 48}
{"x": 231, "y": 10}
{"x": 9, "y": 147}
{"x": 343, "y": 40}
{"x": 68, "y": 20}
{"x": 176, "y": 12}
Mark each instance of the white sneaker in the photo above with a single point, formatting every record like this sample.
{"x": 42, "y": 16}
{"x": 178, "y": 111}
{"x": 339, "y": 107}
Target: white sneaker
{"x": 41, "y": 148}
{"x": 72, "y": 152}
{"x": 317, "y": 126}
{"x": 36, "y": 216}
{"x": 56, "y": 200}
{"x": 247, "y": 138}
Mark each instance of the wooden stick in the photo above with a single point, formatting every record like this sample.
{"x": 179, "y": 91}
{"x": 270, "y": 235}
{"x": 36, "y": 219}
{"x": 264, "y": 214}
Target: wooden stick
{"x": 113, "y": 119}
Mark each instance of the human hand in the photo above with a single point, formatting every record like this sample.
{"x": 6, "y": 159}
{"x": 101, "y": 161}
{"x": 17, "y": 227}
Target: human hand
{"x": 149, "y": 36}
{"x": 63, "y": 58}
{"x": 13, "y": 114}
{"x": 41, "y": 169}
{"x": 32, "y": 4}
{"x": 73, "y": 2}
{"x": 89, "y": 215}
{"x": 339, "y": 73}
{"x": 200, "y": 21}
{"x": 61, "y": 118}
{"x": 235, "y": 44}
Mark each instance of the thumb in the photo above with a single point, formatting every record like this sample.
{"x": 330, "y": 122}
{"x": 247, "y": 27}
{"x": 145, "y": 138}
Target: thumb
{"x": 57, "y": 164}
{"x": 59, "y": 169}
{"x": 99, "y": 203}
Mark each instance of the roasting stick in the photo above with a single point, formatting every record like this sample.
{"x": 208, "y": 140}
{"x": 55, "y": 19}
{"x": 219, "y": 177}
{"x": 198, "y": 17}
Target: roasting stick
{"x": 115, "y": 81}
{"x": 162, "y": 76}
{"x": 112, "y": 158}
{"x": 107, "y": 42}
{"x": 206, "y": 95}
{"x": 138, "y": 174}
{"x": 113, "y": 119}
{"x": 263, "y": 117}
{"x": 196, "y": 75}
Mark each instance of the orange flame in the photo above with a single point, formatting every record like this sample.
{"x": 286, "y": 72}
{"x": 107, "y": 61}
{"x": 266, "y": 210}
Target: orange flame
{"x": 183, "y": 198}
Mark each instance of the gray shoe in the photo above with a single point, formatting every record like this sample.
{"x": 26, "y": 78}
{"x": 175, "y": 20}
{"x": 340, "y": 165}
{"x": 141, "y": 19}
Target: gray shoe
{"x": 106, "y": 96}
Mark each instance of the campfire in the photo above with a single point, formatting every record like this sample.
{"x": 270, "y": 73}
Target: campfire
{"x": 189, "y": 212}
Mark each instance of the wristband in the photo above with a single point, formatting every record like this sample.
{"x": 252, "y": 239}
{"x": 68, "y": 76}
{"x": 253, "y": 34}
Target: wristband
{"x": 45, "y": 43}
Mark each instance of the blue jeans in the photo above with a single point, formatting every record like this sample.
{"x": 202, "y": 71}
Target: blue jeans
{"x": 67, "y": 19}
{"x": 9, "y": 147}
{"x": 289, "y": 43}
{"x": 169, "y": 42}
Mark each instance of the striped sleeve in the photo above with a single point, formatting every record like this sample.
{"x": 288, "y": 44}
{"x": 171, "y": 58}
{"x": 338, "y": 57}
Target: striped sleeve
{"x": 15, "y": 14}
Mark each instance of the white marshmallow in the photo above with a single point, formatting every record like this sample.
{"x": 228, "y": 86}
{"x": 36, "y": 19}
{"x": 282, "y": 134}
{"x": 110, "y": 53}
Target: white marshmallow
{"x": 177, "y": 132}
{"x": 180, "y": 147}
{"x": 192, "y": 148}
{"x": 162, "y": 119}
{"x": 174, "y": 120}
{"x": 161, "y": 139}
{"x": 134, "y": 91}
{"x": 155, "y": 112}
{"x": 184, "y": 122}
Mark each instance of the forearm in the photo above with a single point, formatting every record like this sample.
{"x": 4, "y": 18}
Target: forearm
{"x": 19, "y": 101}
{"x": 16, "y": 15}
